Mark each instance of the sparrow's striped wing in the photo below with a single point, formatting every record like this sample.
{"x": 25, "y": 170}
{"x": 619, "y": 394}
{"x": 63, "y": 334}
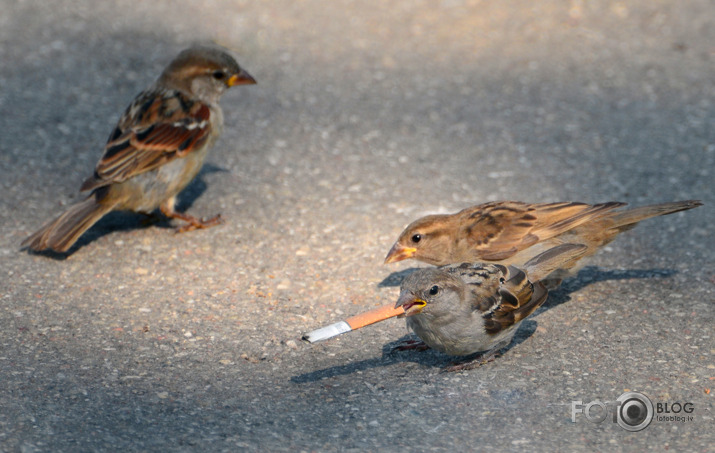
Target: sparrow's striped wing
{"x": 503, "y": 295}
{"x": 158, "y": 127}
{"x": 498, "y": 230}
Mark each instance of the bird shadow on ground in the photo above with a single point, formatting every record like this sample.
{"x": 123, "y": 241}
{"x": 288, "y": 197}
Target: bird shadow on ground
{"x": 592, "y": 274}
{"x": 428, "y": 358}
{"x": 434, "y": 359}
{"x": 391, "y": 356}
{"x": 127, "y": 220}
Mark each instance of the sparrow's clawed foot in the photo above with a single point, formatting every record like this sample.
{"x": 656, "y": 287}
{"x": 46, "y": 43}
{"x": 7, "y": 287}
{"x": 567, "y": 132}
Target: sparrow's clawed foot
{"x": 411, "y": 345}
{"x": 192, "y": 223}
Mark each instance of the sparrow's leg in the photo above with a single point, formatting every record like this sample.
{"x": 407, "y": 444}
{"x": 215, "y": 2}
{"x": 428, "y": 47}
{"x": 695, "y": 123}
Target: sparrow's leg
{"x": 411, "y": 345}
{"x": 192, "y": 223}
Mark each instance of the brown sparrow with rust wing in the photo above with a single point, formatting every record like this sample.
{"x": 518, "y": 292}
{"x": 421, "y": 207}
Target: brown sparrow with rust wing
{"x": 512, "y": 232}
{"x": 156, "y": 149}
{"x": 469, "y": 308}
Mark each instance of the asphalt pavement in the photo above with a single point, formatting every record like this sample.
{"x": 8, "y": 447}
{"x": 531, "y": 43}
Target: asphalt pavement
{"x": 366, "y": 116}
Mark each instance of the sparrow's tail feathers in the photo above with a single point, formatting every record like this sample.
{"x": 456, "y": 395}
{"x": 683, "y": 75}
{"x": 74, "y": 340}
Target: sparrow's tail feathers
{"x": 562, "y": 256}
{"x": 61, "y": 233}
{"x": 625, "y": 220}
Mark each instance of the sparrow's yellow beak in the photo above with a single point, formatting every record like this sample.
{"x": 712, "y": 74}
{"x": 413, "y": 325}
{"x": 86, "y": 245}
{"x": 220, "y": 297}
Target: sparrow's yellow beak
{"x": 411, "y": 304}
{"x": 242, "y": 78}
{"x": 399, "y": 253}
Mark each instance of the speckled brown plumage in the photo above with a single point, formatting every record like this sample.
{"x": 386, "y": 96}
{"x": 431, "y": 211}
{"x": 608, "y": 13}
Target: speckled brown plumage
{"x": 462, "y": 309}
{"x": 156, "y": 149}
{"x": 512, "y": 232}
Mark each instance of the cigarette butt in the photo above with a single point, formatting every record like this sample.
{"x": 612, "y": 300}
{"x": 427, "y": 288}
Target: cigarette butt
{"x": 353, "y": 323}
{"x": 333, "y": 330}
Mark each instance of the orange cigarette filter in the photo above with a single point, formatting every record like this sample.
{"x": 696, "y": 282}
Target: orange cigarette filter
{"x": 354, "y": 322}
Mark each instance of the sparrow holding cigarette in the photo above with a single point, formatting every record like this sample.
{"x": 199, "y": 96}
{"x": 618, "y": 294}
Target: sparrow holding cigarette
{"x": 469, "y": 308}
{"x": 156, "y": 149}
{"x": 513, "y": 232}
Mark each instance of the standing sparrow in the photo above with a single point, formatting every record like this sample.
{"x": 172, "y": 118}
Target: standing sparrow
{"x": 468, "y": 308}
{"x": 156, "y": 149}
{"x": 512, "y": 232}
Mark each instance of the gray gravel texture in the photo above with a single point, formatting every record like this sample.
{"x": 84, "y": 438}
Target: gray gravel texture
{"x": 367, "y": 115}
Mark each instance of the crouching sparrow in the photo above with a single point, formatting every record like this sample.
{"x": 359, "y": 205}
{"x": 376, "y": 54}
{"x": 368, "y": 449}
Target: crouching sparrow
{"x": 469, "y": 308}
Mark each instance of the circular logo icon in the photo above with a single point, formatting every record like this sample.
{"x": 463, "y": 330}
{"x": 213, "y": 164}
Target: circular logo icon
{"x": 635, "y": 412}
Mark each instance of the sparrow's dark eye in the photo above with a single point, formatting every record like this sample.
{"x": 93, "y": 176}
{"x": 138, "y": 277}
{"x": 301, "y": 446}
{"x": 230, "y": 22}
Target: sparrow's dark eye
{"x": 434, "y": 290}
{"x": 219, "y": 75}
{"x": 416, "y": 238}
